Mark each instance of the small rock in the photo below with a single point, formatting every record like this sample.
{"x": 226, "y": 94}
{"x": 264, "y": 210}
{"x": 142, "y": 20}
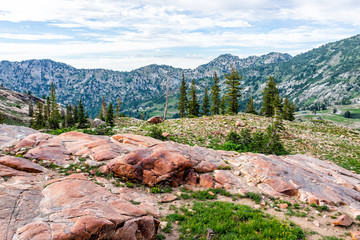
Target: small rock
{"x": 239, "y": 124}
{"x": 155, "y": 120}
{"x": 237, "y": 173}
{"x": 78, "y": 170}
{"x": 163, "y": 224}
{"x": 166, "y": 134}
{"x": 211, "y": 193}
{"x": 343, "y": 220}
{"x": 169, "y": 198}
{"x": 316, "y": 223}
{"x": 262, "y": 203}
{"x": 283, "y": 205}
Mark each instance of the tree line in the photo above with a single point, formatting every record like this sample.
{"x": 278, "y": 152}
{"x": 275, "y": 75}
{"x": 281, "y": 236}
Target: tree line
{"x": 273, "y": 104}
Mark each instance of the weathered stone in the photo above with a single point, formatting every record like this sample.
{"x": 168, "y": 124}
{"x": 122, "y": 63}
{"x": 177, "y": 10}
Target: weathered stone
{"x": 155, "y": 120}
{"x": 166, "y": 134}
{"x": 283, "y": 205}
{"x": 206, "y": 181}
{"x": 10, "y": 135}
{"x": 20, "y": 164}
{"x": 135, "y": 141}
{"x": 80, "y": 209}
{"x": 169, "y": 198}
{"x": 204, "y": 167}
{"x": 343, "y": 220}
{"x": 166, "y": 162}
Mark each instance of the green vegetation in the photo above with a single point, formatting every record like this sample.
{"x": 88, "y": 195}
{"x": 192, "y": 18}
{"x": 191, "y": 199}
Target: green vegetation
{"x": 233, "y": 95}
{"x": 232, "y": 221}
{"x": 205, "y": 107}
{"x": 215, "y": 96}
{"x": 193, "y": 108}
{"x": 183, "y": 101}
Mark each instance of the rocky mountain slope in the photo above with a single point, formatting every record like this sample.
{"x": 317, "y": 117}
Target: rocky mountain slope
{"x": 133, "y": 88}
{"x": 113, "y": 187}
{"x": 15, "y": 106}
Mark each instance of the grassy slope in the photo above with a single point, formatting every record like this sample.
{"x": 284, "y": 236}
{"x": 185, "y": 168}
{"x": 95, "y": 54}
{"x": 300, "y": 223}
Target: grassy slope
{"x": 321, "y": 139}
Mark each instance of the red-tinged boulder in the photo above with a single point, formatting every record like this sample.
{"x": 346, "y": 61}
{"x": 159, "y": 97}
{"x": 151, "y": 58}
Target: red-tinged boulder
{"x": 58, "y": 155}
{"x": 204, "y": 167}
{"x": 21, "y": 164}
{"x": 166, "y": 162}
{"x": 282, "y": 186}
{"x": 75, "y": 208}
{"x": 206, "y": 181}
{"x": 343, "y": 220}
{"x": 32, "y": 140}
{"x": 10, "y": 172}
{"x": 155, "y": 120}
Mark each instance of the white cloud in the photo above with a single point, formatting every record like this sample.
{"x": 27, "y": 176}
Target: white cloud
{"x": 34, "y": 37}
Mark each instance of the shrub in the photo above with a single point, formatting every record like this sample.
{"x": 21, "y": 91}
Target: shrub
{"x": 156, "y": 132}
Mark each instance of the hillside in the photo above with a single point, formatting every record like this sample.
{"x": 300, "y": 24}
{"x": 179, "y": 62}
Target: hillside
{"x": 133, "y": 88}
{"x": 329, "y": 74}
{"x": 15, "y": 106}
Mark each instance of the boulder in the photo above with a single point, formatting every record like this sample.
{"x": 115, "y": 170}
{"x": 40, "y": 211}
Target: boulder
{"x": 10, "y": 135}
{"x": 80, "y": 209}
{"x": 168, "y": 162}
{"x": 155, "y": 120}
{"x": 206, "y": 181}
{"x": 343, "y": 220}
{"x": 21, "y": 164}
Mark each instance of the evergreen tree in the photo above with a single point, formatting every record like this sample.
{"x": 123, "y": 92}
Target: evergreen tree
{"x": 215, "y": 96}
{"x": 250, "y": 106}
{"x": 347, "y": 114}
{"x": 288, "y": 110}
{"x": 54, "y": 116}
{"x": 183, "y": 101}
{"x": 233, "y": 90}
{"x": 81, "y": 116}
{"x": 110, "y": 115}
{"x": 271, "y": 98}
{"x": 38, "y": 121}
{"x": 31, "y": 108}
{"x": 118, "y": 107}
{"x": 47, "y": 108}
{"x": 206, "y": 103}
{"x": 69, "y": 119}
{"x": 103, "y": 110}
{"x": 193, "y": 104}
{"x": 223, "y": 105}
{"x": 76, "y": 114}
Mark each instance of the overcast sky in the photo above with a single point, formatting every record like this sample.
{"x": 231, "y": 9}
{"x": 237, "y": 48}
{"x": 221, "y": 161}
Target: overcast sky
{"x": 124, "y": 35}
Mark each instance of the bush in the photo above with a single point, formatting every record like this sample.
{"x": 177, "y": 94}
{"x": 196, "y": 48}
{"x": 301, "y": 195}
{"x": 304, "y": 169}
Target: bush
{"x": 347, "y": 114}
{"x": 156, "y": 132}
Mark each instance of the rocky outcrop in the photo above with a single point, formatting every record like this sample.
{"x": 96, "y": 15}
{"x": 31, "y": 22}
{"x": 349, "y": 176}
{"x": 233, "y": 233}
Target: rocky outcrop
{"x": 310, "y": 179}
{"x": 155, "y": 120}
{"x": 21, "y": 164}
{"x": 167, "y": 162}
{"x": 76, "y": 208}
{"x": 10, "y": 135}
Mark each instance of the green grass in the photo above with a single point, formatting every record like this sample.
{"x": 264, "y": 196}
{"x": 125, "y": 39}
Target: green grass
{"x": 231, "y": 221}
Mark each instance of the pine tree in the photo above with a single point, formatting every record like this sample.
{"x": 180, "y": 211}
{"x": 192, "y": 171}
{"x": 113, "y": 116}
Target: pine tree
{"x": 183, "y": 101}
{"x": 81, "y": 116}
{"x": 38, "y": 121}
{"x": 118, "y": 107}
{"x": 233, "y": 90}
{"x": 206, "y": 103}
{"x": 215, "y": 96}
{"x": 54, "y": 116}
{"x": 288, "y": 110}
{"x": 110, "y": 115}
{"x": 250, "y": 107}
{"x": 193, "y": 103}
{"x": 69, "y": 116}
{"x": 223, "y": 105}
{"x": 103, "y": 110}
{"x": 76, "y": 114}
{"x": 271, "y": 100}
{"x": 31, "y": 108}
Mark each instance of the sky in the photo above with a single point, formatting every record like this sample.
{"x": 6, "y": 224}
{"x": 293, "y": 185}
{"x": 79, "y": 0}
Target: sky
{"x": 125, "y": 35}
